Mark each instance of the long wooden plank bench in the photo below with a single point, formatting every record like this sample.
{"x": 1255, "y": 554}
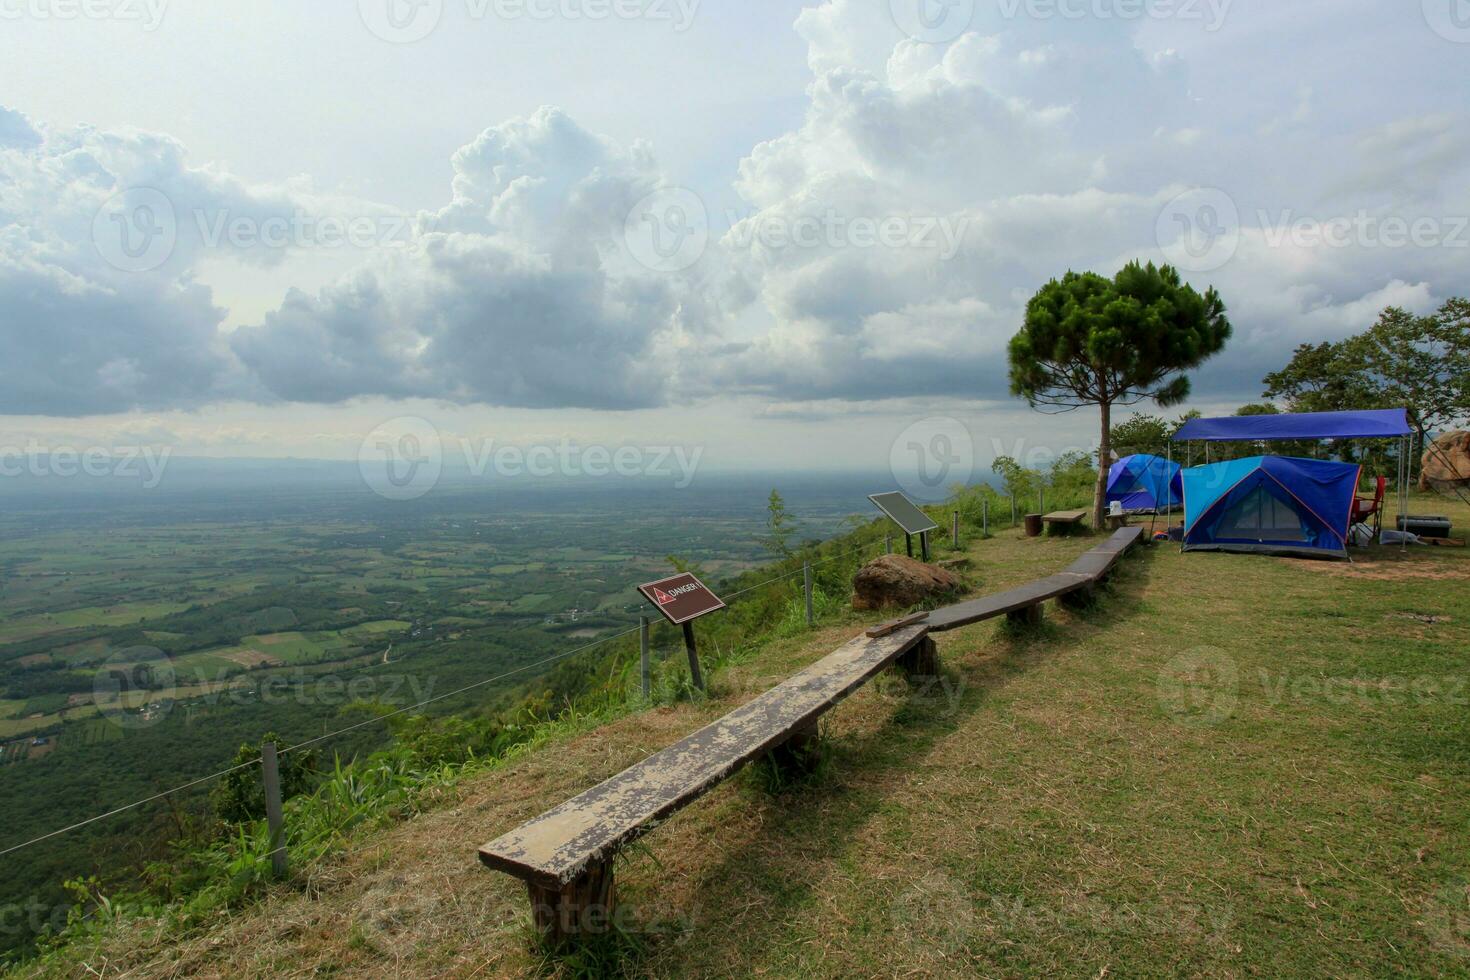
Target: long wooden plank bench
{"x": 1023, "y": 603}
{"x": 566, "y": 855}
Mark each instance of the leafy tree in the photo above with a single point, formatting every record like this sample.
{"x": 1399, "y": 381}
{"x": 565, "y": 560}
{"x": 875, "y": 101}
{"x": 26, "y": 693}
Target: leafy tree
{"x": 1418, "y": 363}
{"x": 780, "y": 527}
{"x": 1072, "y": 477}
{"x": 1453, "y": 331}
{"x": 1018, "y": 481}
{"x": 1326, "y": 377}
{"x": 239, "y": 796}
{"x": 1089, "y": 340}
{"x": 1142, "y": 434}
{"x": 1421, "y": 363}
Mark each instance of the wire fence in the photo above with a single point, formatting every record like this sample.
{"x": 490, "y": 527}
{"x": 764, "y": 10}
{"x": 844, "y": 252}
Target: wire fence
{"x": 382, "y": 718}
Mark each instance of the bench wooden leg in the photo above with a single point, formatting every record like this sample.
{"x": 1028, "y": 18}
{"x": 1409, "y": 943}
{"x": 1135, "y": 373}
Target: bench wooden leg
{"x": 1083, "y": 598}
{"x": 1030, "y": 616}
{"x": 798, "y": 754}
{"x": 579, "y": 909}
{"x": 922, "y": 660}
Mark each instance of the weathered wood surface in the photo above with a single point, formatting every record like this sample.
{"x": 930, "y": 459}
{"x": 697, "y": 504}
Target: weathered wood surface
{"x": 1120, "y": 541}
{"x": 1004, "y": 603}
{"x": 1081, "y": 574}
{"x": 565, "y": 851}
{"x": 1093, "y": 564}
{"x": 559, "y": 846}
{"x": 1065, "y": 517}
{"x": 894, "y": 625}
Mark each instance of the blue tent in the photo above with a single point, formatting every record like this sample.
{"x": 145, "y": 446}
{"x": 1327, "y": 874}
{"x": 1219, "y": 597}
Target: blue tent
{"x": 1145, "y": 483}
{"x": 1270, "y": 504}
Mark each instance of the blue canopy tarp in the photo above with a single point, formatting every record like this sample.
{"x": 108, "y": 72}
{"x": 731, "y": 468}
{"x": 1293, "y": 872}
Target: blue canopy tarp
{"x": 1389, "y": 423}
{"x": 1145, "y": 482}
{"x": 1270, "y": 504}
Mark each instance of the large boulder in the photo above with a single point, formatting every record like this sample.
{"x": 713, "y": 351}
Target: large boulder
{"x": 1447, "y": 463}
{"x": 894, "y": 580}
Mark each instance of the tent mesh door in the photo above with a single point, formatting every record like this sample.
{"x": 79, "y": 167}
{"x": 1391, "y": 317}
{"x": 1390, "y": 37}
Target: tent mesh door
{"x": 1261, "y": 517}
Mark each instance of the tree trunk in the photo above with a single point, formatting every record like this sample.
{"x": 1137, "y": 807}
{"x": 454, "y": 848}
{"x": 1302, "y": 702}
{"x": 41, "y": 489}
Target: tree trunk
{"x": 1104, "y": 462}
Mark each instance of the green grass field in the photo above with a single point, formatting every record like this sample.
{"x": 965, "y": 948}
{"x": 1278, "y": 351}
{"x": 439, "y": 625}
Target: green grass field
{"x": 119, "y": 615}
{"x": 1231, "y": 766}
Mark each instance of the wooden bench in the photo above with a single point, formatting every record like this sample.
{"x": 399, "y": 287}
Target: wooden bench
{"x": 1068, "y": 519}
{"x": 565, "y": 856}
{"x": 1023, "y": 603}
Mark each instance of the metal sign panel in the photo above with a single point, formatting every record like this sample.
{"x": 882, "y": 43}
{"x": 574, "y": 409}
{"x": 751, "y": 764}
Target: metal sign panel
{"x": 903, "y": 513}
{"x": 681, "y": 598}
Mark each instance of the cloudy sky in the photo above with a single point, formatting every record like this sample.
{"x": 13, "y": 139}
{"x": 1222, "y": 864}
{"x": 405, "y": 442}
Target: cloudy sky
{"x": 785, "y": 231}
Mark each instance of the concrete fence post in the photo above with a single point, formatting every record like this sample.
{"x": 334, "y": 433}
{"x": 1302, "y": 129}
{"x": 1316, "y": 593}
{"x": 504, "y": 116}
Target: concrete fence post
{"x": 811, "y": 618}
{"x": 274, "y": 815}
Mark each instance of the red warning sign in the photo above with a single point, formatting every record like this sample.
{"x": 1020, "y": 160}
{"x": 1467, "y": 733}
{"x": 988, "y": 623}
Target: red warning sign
{"x": 681, "y": 598}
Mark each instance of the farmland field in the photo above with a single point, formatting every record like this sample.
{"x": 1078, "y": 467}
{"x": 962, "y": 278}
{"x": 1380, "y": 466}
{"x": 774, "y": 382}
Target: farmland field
{"x": 143, "y": 641}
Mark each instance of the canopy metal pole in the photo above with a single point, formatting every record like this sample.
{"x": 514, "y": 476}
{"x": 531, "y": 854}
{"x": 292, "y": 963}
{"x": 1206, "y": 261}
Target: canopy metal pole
{"x": 1169, "y": 507}
{"x": 1408, "y": 447}
{"x": 1399, "y": 495}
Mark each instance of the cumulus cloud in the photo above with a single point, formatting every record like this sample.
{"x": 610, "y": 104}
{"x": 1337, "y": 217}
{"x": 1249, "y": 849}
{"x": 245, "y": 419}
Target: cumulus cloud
{"x": 519, "y": 292}
{"x": 886, "y": 249}
{"x": 100, "y": 234}
{"x": 1054, "y": 144}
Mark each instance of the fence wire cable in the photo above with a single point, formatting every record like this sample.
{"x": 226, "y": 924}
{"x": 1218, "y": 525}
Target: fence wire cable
{"x": 469, "y": 687}
{"x": 380, "y": 718}
{"x": 131, "y": 806}
{"x": 255, "y": 762}
{"x": 793, "y": 574}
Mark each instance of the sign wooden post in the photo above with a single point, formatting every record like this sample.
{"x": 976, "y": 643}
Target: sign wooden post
{"x": 689, "y": 647}
{"x": 682, "y": 599}
{"x": 643, "y": 649}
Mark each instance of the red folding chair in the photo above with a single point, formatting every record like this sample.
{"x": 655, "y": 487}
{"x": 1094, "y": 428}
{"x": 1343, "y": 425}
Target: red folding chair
{"x": 1366, "y": 507}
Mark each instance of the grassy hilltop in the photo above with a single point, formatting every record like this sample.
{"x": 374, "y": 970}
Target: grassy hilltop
{"x": 1234, "y": 765}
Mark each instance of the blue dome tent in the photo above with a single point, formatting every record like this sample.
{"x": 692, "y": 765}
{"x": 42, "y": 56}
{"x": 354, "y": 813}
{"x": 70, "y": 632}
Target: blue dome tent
{"x": 1391, "y": 423}
{"x": 1145, "y": 483}
{"x": 1270, "y": 504}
